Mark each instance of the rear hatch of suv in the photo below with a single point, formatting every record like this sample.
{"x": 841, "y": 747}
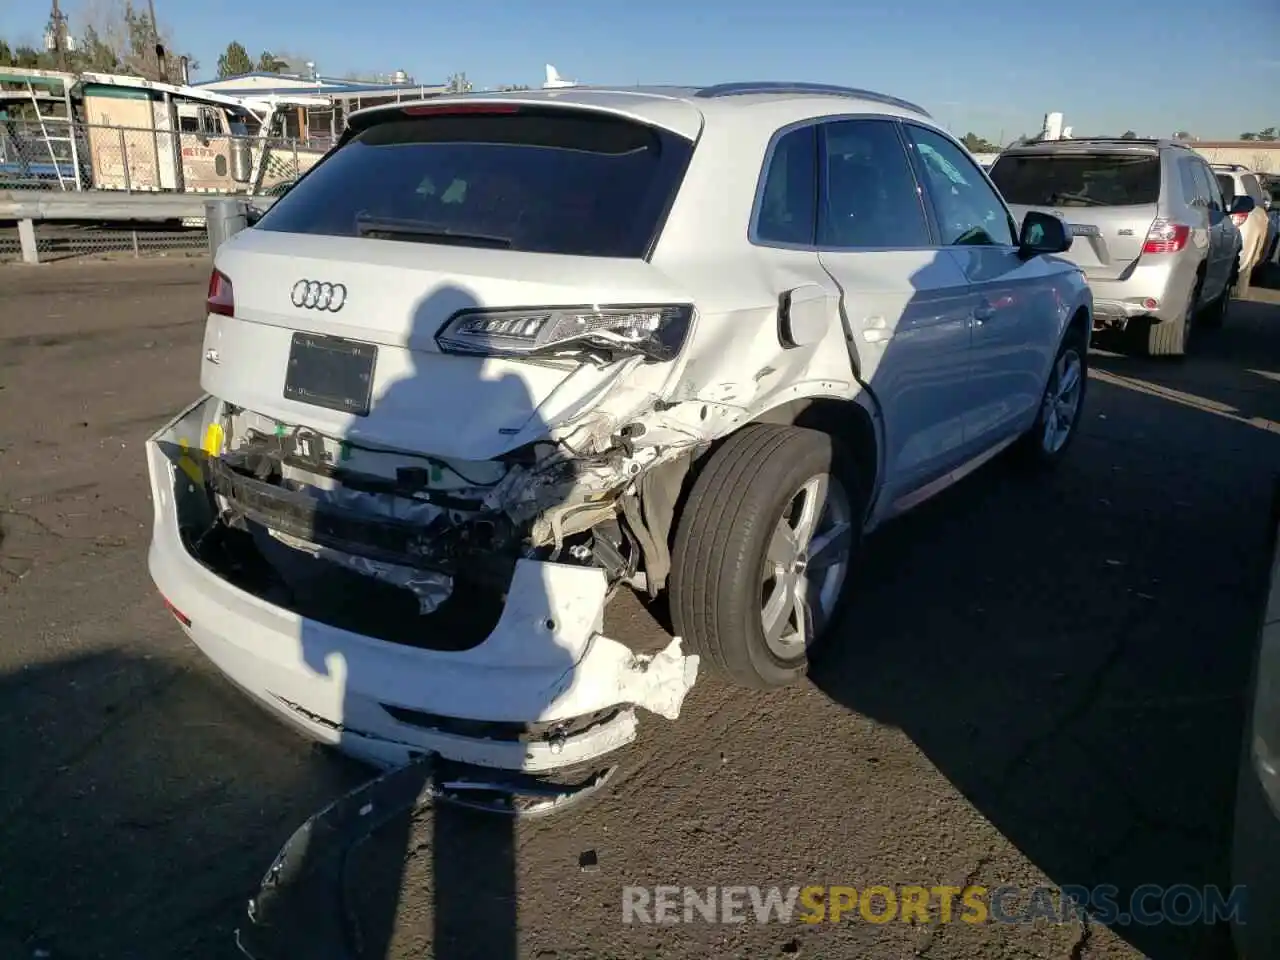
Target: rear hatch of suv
{"x": 481, "y": 262}
{"x": 1108, "y": 196}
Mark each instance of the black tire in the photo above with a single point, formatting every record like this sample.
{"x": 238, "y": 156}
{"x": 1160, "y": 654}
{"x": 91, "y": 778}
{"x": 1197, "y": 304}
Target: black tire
{"x": 1215, "y": 317}
{"x": 1032, "y": 446}
{"x": 719, "y": 558}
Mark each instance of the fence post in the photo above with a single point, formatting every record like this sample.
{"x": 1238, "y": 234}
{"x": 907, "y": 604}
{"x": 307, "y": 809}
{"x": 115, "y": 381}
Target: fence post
{"x": 224, "y": 218}
{"x": 27, "y": 241}
{"x": 124, "y": 163}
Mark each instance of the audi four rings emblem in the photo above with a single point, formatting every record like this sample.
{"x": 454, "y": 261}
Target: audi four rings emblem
{"x": 313, "y": 295}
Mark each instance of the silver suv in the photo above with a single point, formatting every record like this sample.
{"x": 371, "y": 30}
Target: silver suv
{"x": 1153, "y": 231}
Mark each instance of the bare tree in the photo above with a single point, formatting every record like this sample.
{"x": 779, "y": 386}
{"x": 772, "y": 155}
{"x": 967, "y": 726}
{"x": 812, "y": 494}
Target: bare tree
{"x": 126, "y": 29}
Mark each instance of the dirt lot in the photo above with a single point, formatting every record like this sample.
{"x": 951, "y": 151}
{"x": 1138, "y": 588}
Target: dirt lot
{"x": 1044, "y": 686}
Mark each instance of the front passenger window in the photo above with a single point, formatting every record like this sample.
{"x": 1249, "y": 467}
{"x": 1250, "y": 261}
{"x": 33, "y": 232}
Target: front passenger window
{"x": 968, "y": 209}
{"x": 870, "y": 200}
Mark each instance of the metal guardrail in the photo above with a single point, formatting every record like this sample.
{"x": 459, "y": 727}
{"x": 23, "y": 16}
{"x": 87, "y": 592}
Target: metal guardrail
{"x": 108, "y": 206}
{"x": 111, "y": 205}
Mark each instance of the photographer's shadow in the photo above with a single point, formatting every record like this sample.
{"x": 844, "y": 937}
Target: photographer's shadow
{"x": 337, "y": 889}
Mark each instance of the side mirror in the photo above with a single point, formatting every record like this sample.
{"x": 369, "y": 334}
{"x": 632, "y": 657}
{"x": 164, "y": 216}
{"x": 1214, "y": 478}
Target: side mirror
{"x": 1242, "y": 204}
{"x": 1042, "y": 233}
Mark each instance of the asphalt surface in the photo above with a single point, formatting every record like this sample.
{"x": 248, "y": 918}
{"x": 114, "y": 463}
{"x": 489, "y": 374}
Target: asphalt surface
{"x": 1042, "y": 683}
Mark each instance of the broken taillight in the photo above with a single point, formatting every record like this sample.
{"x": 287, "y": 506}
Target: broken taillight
{"x": 222, "y": 298}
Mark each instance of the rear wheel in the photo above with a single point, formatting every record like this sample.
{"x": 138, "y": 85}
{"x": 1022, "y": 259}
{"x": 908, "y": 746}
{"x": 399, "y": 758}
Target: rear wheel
{"x": 1216, "y": 315}
{"x": 1170, "y": 338}
{"x": 762, "y": 555}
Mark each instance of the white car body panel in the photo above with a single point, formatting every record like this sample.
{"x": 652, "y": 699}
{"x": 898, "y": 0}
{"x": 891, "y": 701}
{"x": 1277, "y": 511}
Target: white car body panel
{"x": 947, "y": 351}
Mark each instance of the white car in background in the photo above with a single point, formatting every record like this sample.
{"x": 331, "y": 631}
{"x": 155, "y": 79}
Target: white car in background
{"x": 1257, "y": 228}
{"x": 497, "y": 356}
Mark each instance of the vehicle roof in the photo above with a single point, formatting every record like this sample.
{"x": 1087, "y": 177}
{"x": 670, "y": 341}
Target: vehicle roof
{"x": 682, "y": 109}
{"x": 1086, "y": 144}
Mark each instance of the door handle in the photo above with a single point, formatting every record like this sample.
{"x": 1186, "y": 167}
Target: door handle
{"x": 983, "y": 312}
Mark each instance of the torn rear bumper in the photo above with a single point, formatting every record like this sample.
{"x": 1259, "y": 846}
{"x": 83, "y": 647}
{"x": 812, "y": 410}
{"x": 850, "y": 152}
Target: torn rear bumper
{"x": 544, "y": 691}
{"x": 302, "y": 907}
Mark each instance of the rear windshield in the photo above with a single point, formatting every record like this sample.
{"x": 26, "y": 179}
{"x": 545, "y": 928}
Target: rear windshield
{"x": 544, "y": 181}
{"x": 1078, "y": 180}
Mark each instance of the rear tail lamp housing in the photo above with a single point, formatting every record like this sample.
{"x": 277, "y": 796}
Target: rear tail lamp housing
{"x": 1165, "y": 236}
{"x": 222, "y": 298}
{"x": 654, "y": 332}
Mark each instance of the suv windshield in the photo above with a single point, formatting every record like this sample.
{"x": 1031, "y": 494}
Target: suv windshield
{"x": 1083, "y": 180}
{"x": 536, "y": 180}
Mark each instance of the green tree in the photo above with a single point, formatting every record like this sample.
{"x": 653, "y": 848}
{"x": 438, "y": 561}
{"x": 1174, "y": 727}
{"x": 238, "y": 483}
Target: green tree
{"x": 268, "y": 62}
{"x": 1182, "y": 135}
{"x": 235, "y": 61}
{"x": 6, "y": 55}
{"x": 95, "y": 54}
{"x": 25, "y": 56}
{"x": 977, "y": 144}
{"x": 1128, "y": 135}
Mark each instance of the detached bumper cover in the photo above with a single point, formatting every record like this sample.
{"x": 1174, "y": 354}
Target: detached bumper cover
{"x": 302, "y": 909}
{"x": 544, "y": 663}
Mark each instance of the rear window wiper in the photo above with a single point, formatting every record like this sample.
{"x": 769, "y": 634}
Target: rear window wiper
{"x": 397, "y": 229}
{"x": 1059, "y": 198}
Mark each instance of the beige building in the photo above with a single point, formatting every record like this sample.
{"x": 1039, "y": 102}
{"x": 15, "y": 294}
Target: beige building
{"x": 1262, "y": 156}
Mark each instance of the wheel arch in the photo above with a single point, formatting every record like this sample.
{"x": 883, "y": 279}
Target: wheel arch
{"x": 664, "y": 491}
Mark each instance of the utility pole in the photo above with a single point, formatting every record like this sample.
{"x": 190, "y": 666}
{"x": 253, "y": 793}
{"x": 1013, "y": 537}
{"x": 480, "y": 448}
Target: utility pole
{"x": 56, "y": 38}
{"x": 161, "y": 72}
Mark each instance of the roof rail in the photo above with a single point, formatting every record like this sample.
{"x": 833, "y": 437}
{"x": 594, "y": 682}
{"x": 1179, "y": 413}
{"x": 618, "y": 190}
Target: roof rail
{"x": 1146, "y": 141}
{"x": 822, "y": 89}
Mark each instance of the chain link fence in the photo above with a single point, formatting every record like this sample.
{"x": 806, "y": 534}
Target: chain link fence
{"x": 55, "y": 154}
{"x": 62, "y": 241}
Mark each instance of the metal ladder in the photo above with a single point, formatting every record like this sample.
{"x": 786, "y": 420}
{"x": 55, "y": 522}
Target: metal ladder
{"x": 65, "y": 177}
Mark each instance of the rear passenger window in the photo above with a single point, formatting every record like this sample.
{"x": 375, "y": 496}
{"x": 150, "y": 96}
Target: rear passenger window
{"x": 1192, "y": 189}
{"x": 870, "y": 198}
{"x": 1210, "y": 189}
{"x": 788, "y": 203}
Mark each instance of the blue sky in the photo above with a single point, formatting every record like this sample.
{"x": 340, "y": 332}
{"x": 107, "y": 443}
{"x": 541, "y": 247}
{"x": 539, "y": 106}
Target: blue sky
{"x": 995, "y": 67}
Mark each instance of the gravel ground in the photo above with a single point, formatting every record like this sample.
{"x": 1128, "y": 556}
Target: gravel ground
{"x": 1043, "y": 684}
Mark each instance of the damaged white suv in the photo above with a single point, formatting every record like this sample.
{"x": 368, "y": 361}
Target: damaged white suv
{"x": 497, "y": 355}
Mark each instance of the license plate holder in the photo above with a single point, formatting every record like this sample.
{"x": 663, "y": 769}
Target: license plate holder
{"x": 331, "y": 372}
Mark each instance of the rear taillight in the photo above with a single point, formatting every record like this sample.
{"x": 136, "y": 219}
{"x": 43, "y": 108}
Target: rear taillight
{"x": 178, "y": 615}
{"x": 1166, "y": 237}
{"x": 1239, "y": 218}
{"x": 222, "y": 299}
